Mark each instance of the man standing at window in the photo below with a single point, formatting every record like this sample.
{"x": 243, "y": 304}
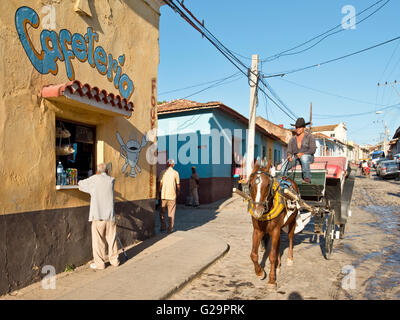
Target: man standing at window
{"x": 301, "y": 148}
{"x": 170, "y": 188}
{"x": 104, "y": 229}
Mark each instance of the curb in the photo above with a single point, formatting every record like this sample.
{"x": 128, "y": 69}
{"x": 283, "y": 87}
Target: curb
{"x": 227, "y": 202}
{"x": 194, "y": 275}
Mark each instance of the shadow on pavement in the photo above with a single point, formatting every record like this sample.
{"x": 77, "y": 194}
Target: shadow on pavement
{"x": 135, "y": 250}
{"x": 187, "y": 217}
{"x": 394, "y": 194}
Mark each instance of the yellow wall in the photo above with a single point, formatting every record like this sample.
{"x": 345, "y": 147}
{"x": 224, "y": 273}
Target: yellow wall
{"x": 27, "y": 122}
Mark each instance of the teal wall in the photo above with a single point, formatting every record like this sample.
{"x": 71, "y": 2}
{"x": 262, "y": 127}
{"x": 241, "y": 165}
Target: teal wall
{"x": 198, "y": 125}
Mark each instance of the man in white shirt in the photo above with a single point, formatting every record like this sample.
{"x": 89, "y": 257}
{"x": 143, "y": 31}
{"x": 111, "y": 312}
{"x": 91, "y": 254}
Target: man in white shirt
{"x": 104, "y": 229}
{"x": 170, "y": 188}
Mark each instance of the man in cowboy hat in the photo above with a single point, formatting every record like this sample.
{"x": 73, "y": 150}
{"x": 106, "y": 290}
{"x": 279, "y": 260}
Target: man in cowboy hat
{"x": 301, "y": 148}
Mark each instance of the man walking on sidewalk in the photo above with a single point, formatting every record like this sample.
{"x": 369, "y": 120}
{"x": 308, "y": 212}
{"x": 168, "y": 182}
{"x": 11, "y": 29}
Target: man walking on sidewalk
{"x": 194, "y": 188}
{"x": 104, "y": 229}
{"x": 170, "y": 188}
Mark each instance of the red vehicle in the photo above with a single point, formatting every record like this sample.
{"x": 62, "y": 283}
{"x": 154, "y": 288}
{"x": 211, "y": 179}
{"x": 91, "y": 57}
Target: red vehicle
{"x": 365, "y": 171}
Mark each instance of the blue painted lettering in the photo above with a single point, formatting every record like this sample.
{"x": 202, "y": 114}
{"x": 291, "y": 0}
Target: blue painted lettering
{"x": 65, "y": 38}
{"x": 51, "y": 52}
{"x": 79, "y": 47}
{"x": 100, "y": 58}
{"x": 125, "y": 86}
{"x": 65, "y": 47}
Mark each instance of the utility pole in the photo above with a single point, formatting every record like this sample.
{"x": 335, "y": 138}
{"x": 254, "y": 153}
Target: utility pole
{"x": 252, "y": 115}
{"x": 391, "y": 84}
{"x": 310, "y": 115}
{"x": 385, "y": 141}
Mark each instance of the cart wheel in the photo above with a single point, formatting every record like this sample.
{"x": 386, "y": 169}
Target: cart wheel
{"x": 329, "y": 234}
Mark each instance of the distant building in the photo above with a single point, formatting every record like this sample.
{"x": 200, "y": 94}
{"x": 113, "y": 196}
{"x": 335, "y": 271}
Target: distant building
{"x": 327, "y": 146}
{"x": 336, "y": 131}
{"x": 280, "y": 148}
{"x": 213, "y": 138}
{"x": 395, "y": 143}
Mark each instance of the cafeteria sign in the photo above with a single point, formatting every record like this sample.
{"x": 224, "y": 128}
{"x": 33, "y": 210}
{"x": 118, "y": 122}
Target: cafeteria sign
{"x": 55, "y": 47}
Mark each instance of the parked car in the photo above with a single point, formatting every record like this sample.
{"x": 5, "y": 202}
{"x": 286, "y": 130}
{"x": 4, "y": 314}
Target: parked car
{"x": 386, "y": 169}
{"x": 396, "y": 157}
{"x": 377, "y": 164}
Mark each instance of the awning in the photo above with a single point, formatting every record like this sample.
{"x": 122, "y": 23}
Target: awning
{"x": 86, "y": 97}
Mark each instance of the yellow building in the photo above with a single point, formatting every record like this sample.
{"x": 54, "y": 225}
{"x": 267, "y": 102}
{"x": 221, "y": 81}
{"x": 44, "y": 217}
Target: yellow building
{"x": 78, "y": 86}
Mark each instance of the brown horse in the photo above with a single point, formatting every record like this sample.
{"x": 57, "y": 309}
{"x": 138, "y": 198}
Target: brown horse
{"x": 262, "y": 192}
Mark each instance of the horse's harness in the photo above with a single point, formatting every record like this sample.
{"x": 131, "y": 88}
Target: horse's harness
{"x": 278, "y": 201}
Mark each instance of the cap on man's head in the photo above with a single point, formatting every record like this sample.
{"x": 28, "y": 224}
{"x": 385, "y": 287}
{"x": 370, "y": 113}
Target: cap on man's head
{"x": 300, "y": 123}
{"x": 171, "y": 161}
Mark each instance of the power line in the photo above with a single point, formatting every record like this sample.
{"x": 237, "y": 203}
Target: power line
{"x": 333, "y": 60}
{"x": 326, "y": 116}
{"x": 329, "y": 93}
{"x": 218, "y": 45}
{"x": 212, "y": 86}
{"x": 200, "y": 84}
{"x": 284, "y": 53}
{"x": 268, "y": 86}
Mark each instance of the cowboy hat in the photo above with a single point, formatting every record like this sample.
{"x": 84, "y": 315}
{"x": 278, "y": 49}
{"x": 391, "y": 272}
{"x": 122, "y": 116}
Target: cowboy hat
{"x": 300, "y": 123}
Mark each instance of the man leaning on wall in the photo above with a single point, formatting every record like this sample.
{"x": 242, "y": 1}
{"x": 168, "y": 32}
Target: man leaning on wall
{"x": 104, "y": 228}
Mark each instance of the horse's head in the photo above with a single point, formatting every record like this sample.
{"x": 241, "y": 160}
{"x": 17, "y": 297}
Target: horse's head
{"x": 261, "y": 189}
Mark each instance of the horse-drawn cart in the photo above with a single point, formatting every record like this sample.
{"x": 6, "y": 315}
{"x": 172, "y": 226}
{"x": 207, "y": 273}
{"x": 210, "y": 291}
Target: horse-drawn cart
{"x": 287, "y": 203}
{"x": 328, "y": 194}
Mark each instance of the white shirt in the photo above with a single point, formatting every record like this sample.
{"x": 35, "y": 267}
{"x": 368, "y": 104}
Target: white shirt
{"x": 101, "y": 190}
{"x": 169, "y": 179}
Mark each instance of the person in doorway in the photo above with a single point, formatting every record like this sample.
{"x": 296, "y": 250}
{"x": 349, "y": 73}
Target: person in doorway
{"x": 170, "y": 188}
{"x": 102, "y": 215}
{"x": 301, "y": 148}
{"x": 194, "y": 188}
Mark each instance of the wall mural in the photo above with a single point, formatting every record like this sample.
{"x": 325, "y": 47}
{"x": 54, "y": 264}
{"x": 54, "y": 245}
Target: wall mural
{"x": 130, "y": 152}
{"x": 55, "y": 47}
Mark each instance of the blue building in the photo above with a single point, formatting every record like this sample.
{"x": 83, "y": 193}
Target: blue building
{"x": 328, "y": 146}
{"x": 212, "y": 137}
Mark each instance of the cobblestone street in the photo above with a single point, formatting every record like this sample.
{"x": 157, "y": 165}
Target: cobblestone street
{"x": 370, "y": 246}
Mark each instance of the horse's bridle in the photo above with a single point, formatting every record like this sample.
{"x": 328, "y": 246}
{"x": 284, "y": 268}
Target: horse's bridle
{"x": 270, "y": 191}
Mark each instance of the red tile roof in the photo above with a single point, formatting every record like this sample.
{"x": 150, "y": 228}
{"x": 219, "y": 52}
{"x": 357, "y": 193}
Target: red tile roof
{"x": 182, "y": 105}
{"x": 321, "y": 135}
{"x": 330, "y": 127}
{"x": 75, "y": 88}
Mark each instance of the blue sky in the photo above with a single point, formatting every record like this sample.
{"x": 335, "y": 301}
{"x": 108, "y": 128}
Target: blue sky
{"x": 268, "y": 27}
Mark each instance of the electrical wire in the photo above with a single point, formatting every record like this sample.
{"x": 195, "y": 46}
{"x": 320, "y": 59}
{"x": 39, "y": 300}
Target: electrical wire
{"x": 327, "y": 116}
{"x": 330, "y": 94}
{"x": 220, "y": 47}
{"x": 199, "y": 85}
{"x": 333, "y": 60}
{"x": 222, "y": 82}
{"x": 284, "y": 53}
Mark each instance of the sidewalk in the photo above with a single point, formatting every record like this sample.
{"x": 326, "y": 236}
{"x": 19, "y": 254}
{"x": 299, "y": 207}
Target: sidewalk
{"x": 156, "y": 268}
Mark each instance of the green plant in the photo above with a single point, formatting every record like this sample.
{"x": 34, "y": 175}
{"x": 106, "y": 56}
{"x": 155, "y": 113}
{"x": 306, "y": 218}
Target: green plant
{"x": 69, "y": 268}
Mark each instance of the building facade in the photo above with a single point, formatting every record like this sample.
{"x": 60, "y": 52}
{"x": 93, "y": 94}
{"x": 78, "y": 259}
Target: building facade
{"x": 78, "y": 83}
{"x": 284, "y": 135}
{"x": 336, "y": 131}
{"x": 213, "y": 138}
